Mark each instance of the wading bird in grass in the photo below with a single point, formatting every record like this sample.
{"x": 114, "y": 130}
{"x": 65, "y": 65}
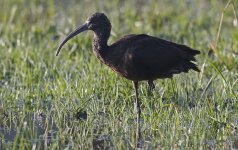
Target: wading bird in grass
{"x": 137, "y": 57}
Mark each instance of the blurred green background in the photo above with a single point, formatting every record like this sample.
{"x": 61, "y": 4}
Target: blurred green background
{"x": 42, "y": 96}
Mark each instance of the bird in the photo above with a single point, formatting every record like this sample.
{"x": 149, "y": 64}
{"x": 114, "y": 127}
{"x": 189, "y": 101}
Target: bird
{"x": 137, "y": 57}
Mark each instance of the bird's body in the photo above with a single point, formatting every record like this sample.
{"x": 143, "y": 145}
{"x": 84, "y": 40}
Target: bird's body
{"x": 137, "y": 57}
{"x": 142, "y": 57}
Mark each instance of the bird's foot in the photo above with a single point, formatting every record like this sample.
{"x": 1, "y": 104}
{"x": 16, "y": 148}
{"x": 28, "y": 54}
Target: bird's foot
{"x": 139, "y": 139}
{"x": 139, "y": 143}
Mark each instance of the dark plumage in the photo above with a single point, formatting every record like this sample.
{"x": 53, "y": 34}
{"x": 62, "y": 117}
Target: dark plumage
{"x": 137, "y": 57}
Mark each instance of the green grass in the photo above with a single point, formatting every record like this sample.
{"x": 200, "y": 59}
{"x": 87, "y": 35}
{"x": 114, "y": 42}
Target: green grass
{"x": 40, "y": 94}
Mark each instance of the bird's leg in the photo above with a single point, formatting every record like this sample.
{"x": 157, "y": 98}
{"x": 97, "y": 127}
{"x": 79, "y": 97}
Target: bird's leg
{"x": 151, "y": 87}
{"x": 137, "y": 103}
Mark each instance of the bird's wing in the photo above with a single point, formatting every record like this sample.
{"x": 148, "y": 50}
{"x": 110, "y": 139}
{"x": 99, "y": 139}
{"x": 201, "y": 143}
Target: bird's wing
{"x": 154, "y": 53}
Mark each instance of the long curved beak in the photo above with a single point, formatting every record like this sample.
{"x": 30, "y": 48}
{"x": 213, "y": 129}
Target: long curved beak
{"x": 80, "y": 29}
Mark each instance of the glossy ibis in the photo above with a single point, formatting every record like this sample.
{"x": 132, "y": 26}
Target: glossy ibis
{"x": 136, "y": 57}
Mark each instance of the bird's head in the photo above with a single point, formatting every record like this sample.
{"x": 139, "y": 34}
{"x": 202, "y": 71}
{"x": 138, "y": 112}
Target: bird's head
{"x": 98, "y": 22}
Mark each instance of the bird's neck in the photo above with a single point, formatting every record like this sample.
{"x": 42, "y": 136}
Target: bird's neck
{"x": 100, "y": 41}
{"x": 99, "y": 44}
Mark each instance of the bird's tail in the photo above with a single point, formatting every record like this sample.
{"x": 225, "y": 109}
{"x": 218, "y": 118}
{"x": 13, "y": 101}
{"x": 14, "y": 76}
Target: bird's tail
{"x": 184, "y": 66}
{"x": 187, "y": 65}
